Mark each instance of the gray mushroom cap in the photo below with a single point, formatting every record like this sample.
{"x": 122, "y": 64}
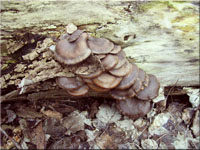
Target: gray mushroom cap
{"x": 151, "y": 91}
{"x": 72, "y": 53}
{"x": 106, "y": 81}
{"x": 134, "y": 107}
{"x": 68, "y": 83}
{"x": 100, "y": 45}
{"x": 130, "y": 78}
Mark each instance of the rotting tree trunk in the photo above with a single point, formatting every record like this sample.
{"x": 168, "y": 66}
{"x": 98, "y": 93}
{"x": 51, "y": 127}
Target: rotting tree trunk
{"x": 160, "y": 37}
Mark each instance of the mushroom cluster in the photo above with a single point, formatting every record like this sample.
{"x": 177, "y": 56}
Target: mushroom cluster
{"x": 131, "y": 86}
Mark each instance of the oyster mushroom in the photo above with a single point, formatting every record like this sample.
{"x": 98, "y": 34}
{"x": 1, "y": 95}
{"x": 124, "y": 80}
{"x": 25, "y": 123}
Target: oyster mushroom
{"x": 122, "y": 71}
{"x": 116, "y": 49}
{"x": 110, "y": 61}
{"x": 75, "y": 35}
{"x": 106, "y": 81}
{"x": 97, "y": 88}
{"x": 137, "y": 86}
{"x": 119, "y": 94}
{"x": 80, "y": 91}
{"x": 134, "y": 107}
{"x": 68, "y": 83}
{"x": 122, "y": 59}
{"x": 72, "y": 53}
{"x": 129, "y": 79}
{"x": 100, "y": 45}
{"x": 151, "y": 91}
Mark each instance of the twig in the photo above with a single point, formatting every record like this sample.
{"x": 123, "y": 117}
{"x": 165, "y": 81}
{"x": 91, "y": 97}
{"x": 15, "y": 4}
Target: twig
{"x": 13, "y": 141}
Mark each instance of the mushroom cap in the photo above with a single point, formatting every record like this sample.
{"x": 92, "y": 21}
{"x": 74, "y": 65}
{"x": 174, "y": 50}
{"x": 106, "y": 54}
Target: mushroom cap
{"x": 134, "y": 107}
{"x": 122, "y": 59}
{"x": 75, "y": 35}
{"x": 146, "y": 81}
{"x": 80, "y": 91}
{"x": 122, "y": 71}
{"x": 97, "y": 88}
{"x": 130, "y": 78}
{"x": 72, "y": 53}
{"x": 119, "y": 94}
{"x": 116, "y": 49}
{"x": 88, "y": 81}
{"x": 141, "y": 75}
{"x": 106, "y": 81}
{"x": 100, "y": 45}
{"x": 110, "y": 61}
{"x": 151, "y": 91}
{"x": 68, "y": 83}
{"x": 101, "y": 56}
{"x": 137, "y": 86}
{"x": 90, "y": 75}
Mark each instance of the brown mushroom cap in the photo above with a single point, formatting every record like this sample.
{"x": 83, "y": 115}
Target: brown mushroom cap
{"x": 110, "y": 61}
{"x": 134, "y": 107}
{"x": 123, "y": 71}
{"x": 137, "y": 86}
{"x": 68, "y": 83}
{"x": 106, "y": 81}
{"x": 122, "y": 59}
{"x": 88, "y": 81}
{"x": 72, "y": 53}
{"x": 101, "y": 56}
{"x": 119, "y": 94}
{"x": 130, "y": 78}
{"x": 97, "y": 88}
{"x": 116, "y": 49}
{"x": 75, "y": 35}
{"x": 151, "y": 91}
{"x": 100, "y": 45}
{"x": 80, "y": 91}
{"x": 90, "y": 75}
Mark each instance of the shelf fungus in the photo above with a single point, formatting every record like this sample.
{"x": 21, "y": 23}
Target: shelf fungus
{"x": 101, "y": 66}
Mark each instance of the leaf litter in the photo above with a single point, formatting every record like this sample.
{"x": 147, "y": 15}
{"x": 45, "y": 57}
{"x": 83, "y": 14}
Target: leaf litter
{"x": 94, "y": 123}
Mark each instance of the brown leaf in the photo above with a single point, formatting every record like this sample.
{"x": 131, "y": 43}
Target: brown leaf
{"x": 40, "y": 136}
{"x": 53, "y": 114}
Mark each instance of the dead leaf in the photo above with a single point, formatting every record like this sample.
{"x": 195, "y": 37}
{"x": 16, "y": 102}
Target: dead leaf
{"x": 75, "y": 122}
{"x": 28, "y": 113}
{"x": 53, "y": 114}
{"x": 40, "y": 137}
{"x": 11, "y": 115}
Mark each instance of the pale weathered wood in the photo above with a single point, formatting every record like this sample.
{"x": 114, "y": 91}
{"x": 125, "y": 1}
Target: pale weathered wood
{"x": 162, "y": 38}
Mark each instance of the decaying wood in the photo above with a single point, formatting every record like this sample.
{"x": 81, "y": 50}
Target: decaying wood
{"x": 162, "y": 46}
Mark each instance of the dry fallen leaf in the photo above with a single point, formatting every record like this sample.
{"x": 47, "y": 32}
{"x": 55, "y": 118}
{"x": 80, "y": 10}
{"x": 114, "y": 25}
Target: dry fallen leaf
{"x": 75, "y": 121}
{"x": 53, "y": 114}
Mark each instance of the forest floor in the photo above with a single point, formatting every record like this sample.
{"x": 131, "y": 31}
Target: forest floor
{"x": 96, "y": 123}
